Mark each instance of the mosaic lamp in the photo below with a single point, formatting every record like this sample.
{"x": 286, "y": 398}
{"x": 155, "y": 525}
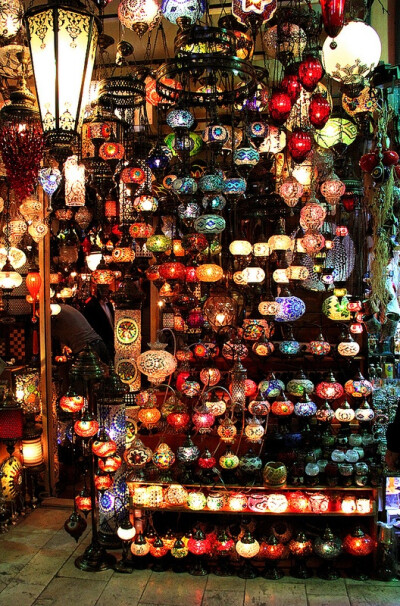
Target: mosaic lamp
{"x": 247, "y": 547}
{"x": 156, "y": 363}
{"x": 199, "y": 545}
{"x": 359, "y": 545}
{"x": 273, "y": 551}
{"x": 328, "y": 548}
{"x": 300, "y": 547}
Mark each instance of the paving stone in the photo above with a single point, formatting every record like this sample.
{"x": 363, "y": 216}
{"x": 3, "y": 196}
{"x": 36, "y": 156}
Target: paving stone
{"x": 260, "y": 592}
{"x": 61, "y": 592}
{"x": 20, "y": 594}
{"x": 217, "y": 597}
{"x": 168, "y": 588}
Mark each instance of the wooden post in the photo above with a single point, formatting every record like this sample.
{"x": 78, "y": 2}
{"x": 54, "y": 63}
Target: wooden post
{"x": 49, "y": 419}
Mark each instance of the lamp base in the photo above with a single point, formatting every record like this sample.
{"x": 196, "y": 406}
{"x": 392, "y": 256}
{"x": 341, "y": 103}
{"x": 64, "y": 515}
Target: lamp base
{"x": 198, "y": 569}
{"x": 328, "y": 573}
{"x": 124, "y": 566}
{"x": 247, "y": 571}
{"x": 300, "y": 570}
{"x": 272, "y": 573}
{"x": 95, "y": 559}
{"x": 109, "y": 541}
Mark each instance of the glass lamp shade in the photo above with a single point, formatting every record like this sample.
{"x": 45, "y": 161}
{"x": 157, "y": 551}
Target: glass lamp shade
{"x": 319, "y": 347}
{"x": 299, "y": 385}
{"x": 139, "y": 16}
{"x": 123, "y": 254}
{"x": 253, "y": 275}
{"x": 209, "y": 224}
{"x": 211, "y": 183}
{"x": 158, "y": 549}
{"x": 176, "y": 495}
{"x": 172, "y": 271}
{"x": 332, "y": 16}
{"x": 158, "y": 243}
{"x": 234, "y": 186}
{"x": 325, "y": 414}
{"x": 227, "y": 430}
{"x": 83, "y": 502}
{"x": 206, "y": 460}
{"x": 146, "y": 204}
{"x": 184, "y": 186}
{"x": 163, "y": 457}
{"x": 261, "y": 249}
{"x": 104, "y": 447}
{"x": 328, "y": 547}
{"x": 271, "y": 388}
{"x": 329, "y": 389}
{"x": 182, "y": 12}
{"x": 358, "y": 543}
{"x": 179, "y": 549}
{"x": 336, "y": 130}
{"x": 188, "y": 452}
{"x": 353, "y": 54}
{"x": 210, "y": 376}
{"x": 246, "y": 157}
{"x": 87, "y": 427}
{"x": 312, "y": 216}
{"x": 140, "y": 547}
{"x": 310, "y": 72}
{"x": 215, "y": 135}
{"x": 277, "y": 503}
{"x": 290, "y": 308}
{"x": 93, "y": 259}
{"x": 180, "y": 118}
{"x": 305, "y": 408}
{"x": 72, "y": 403}
{"x": 11, "y": 13}
{"x": 280, "y": 106}
{"x": 32, "y": 451}
{"x": 333, "y": 189}
{"x": 364, "y": 413}
{"x": 9, "y": 279}
{"x": 209, "y": 272}
{"x": 240, "y": 248}
{"x": 300, "y": 144}
{"x": 110, "y": 464}
{"x": 282, "y": 407}
{"x": 336, "y": 309}
{"x": 229, "y": 460}
{"x": 254, "y": 431}
{"x": 268, "y": 308}
{"x": 63, "y": 42}
{"x": 102, "y": 481}
{"x": 149, "y": 417}
{"x": 259, "y": 407}
{"x": 358, "y": 387}
{"x": 126, "y": 531}
{"x": 280, "y": 242}
{"x": 291, "y": 191}
{"x": 156, "y": 364}
{"x": 199, "y": 544}
{"x": 344, "y": 414}
{"x": 196, "y": 500}
{"x": 133, "y": 175}
{"x": 178, "y": 420}
{"x": 319, "y": 110}
{"x": 247, "y": 546}
{"x": 300, "y": 546}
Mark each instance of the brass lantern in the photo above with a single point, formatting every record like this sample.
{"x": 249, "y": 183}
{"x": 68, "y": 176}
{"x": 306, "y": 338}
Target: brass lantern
{"x": 62, "y": 40}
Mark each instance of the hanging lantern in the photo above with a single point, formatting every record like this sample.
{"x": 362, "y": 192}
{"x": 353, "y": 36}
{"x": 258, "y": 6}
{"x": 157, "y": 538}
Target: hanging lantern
{"x": 9, "y": 279}
{"x": 138, "y": 15}
{"x": 291, "y": 85}
{"x": 347, "y": 347}
{"x": 72, "y": 403}
{"x": 345, "y": 413}
{"x": 332, "y": 16}
{"x": 11, "y": 13}
{"x": 183, "y": 12}
{"x": 364, "y": 413}
{"x": 86, "y": 427}
{"x": 299, "y": 144}
{"x": 319, "y": 347}
{"x": 74, "y": 176}
{"x": 63, "y": 55}
{"x": 310, "y": 72}
{"x": 110, "y": 464}
{"x": 280, "y": 106}
{"x": 319, "y": 110}
{"x": 353, "y": 54}
{"x": 329, "y": 389}
{"x": 336, "y": 131}
{"x": 333, "y": 189}
{"x": 290, "y": 308}
{"x": 229, "y": 460}
{"x": 209, "y": 272}
{"x": 291, "y": 191}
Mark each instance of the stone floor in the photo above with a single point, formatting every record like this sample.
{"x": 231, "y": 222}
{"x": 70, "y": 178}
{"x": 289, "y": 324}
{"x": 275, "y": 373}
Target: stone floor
{"x": 37, "y": 568}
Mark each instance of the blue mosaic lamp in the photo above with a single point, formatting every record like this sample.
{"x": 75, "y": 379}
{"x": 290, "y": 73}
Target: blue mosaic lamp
{"x": 184, "y": 186}
{"x": 271, "y": 387}
{"x": 183, "y": 12}
{"x": 305, "y": 408}
{"x": 289, "y": 347}
{"x": 210, "y": 224}
{"x": 212, "y": 183}
{"x": 180, "y": 118}
{"x": 234, "y": 186}
{"x": 214, "y": 201}
{"x": 215, "y": 135}
{"x": 159, "y": 158}
{"x": 291, "y": 308}
{"x": 246, "y": 157}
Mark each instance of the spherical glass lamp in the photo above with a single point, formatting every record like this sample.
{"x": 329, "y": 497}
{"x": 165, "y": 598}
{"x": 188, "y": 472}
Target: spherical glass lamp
{"x": 300, "y": 547}
{"x": 156, "y": 364}
{"x": 312, "y": 216}
{"x": 139, "y": 16}
{"x": 290, "y": 308}
{"x": 240, "y": 248}
{"x": 353, "y": 54}
{"x": 335, "y": 131}
{"x": 364, "y": 413}
{"x": 180, "y": 118}
{"x": 328, "y": 548}
{"x": 209, "y": 272}
{"x": 183, "y": 12}
{"x": 280, "y": 242}
{"x": 358, "y": 387}
{"x": 329, "y": 389}
{"x": 347, "y": 347}
{"x": 345, "y": 413}
{"x": 9, "y": 279}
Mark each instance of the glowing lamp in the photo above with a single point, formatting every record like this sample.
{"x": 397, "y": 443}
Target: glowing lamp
{"x": 9, "y": 279}
{"x": 333, "y": 189}
{"x": 299, "y": 502}
{"x": 353, "y": 54}
{"x": 63, "y": 55}
{"x": 277, "y": 502}
{"x": 206, "y": 460}
{"x": 209, "y": 272}
{"x": 280, "y": 106}
{"x": 86, "y": 427}
{"x": 247, "y": 546}
{"x": 158, "y": 549}
{"x": 110, "y": 464}
{"x": 280, "y": 242}
{"x": 176, "y": 495}
{"x": 364, "y": 413}
{"x": 229, "y": 460}
{"x": 300, "y": 546}
{"x": 32, "y": 451}
{"x": 348, "y": 348}
{"x": 344, "y": 414}
{"x": 163, "y": 457}
{"x": 149, "y": 416}
{"x": 240, "y": 248}
{"x": 254, "y": 431}
{"x": 72, "y": 403}
{"x": 178, "y": 420}
{"x": 291, "y": 191}
{"x": 179, "y": 549}
{"x": 199, "y": 544}
{"x": 358, "y": 543}
{"x": 140, "y": 547}
{"x": 215, "y": 501}
{"x": 83, "y": 502}
{"x": 329, "y": 389}
{"x": 348, "y": 505}
{"x": 364, "y": 505}
{"x": 103, "y": 446}
{"x": 335, "y": 131}
{"x": 227, "y": 430}
{"x": 156, "y": 363}
{"x": 237, "y": 502}
{"x": 102, "y": 481}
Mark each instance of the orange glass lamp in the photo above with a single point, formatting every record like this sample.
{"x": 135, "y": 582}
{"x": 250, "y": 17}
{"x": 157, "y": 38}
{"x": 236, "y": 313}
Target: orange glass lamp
{"x": 273, "y": 551}
{"x": 223, "y": 547}
{"x": 83, "y": 502}
{"x": 102, "y": 481}
{"x": 32, "y": 452}
{"x": 87, "y": 426}
{"x": 33, "y": 282}
{"x": 247, "y": 547}
{"x": 110, "y": 464}
{"x": 158, "y": 550}
{"x": 300, "y": 547}
{"x": 72, "y": 402}
{"x": 103, "y": 446}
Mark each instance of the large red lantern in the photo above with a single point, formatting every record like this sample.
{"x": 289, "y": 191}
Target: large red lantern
{"x": 199, "y": 544}
{"x": 72, "y": 403}
{"x": 310, "y": 72}
{"x": 358, "y": 543}
{"x": 319, "y": 110}
{"x": 178, "y": 420}
{"x": 173, "y": 271}
{"x": 33, "y": 283}
{"x": 300, "y": 144}
{"x": 280, "y": 106}
{"x": 332, "y": 16}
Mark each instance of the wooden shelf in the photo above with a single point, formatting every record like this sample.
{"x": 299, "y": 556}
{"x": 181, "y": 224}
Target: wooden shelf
{"x": 242, "y": 488}
{"x": 248, "y": 512}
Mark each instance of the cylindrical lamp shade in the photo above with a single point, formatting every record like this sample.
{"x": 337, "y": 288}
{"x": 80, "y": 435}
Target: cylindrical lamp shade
{"x": 32, "y": 452}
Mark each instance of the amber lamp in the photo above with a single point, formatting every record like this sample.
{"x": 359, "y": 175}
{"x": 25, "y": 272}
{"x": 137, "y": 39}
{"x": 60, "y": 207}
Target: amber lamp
{"x": 178, "y": 420}
{"x": 158, "y": 550}
{"x": 71, "y": 402}
{"x": 83, "y": 502}
{"x": 110, "y": 464}
{"x": 87, "y": 426}
{"x": 103, "y": 446}
{"x": 300, "y": 547}
{"x": 273, "y": 551}
{"x": 102, "y": 481}
{"x": 140, "y": 548}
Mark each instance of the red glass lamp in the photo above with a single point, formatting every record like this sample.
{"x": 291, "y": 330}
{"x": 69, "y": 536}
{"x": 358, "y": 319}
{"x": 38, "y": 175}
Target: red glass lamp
{"x": 178, "y": 420}
{"x": 206, "y": 460}
{"x": 273, "y": 551}
{"x": 102, "y": 481}
{"x": 223, "y": 547}
{"x": 280, "y": 106}
{"x": 332, "y": 16}
{"x": 199, "y": 545}
{"x": 359, "y": 545}
{"x": 83, "y": 502}
{"x": 300, "y": 144}
{"x": 103, "y": 446}
{"x": 310, "y": 72}
{"x": 110, "y": 464}
{"x": 329, "y": 389}
{"x": 87, "y": 426}
{"x": 291, "y": 85}
{"x": 11, "y": 421}
{"x": 319, "y": 110}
